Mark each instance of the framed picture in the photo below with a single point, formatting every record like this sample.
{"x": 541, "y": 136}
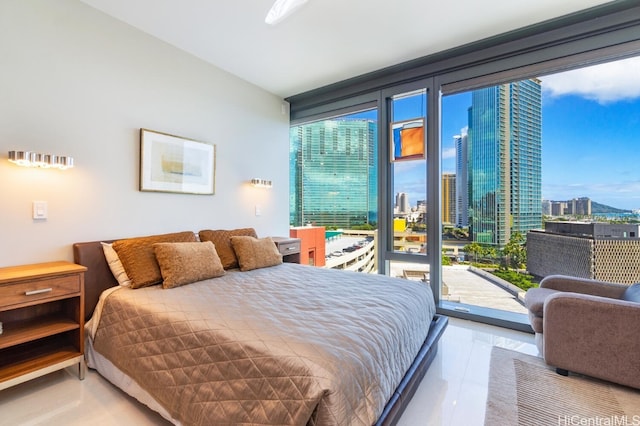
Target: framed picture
{"x": 174, "y": 164}
{"x": 407, "y": 140}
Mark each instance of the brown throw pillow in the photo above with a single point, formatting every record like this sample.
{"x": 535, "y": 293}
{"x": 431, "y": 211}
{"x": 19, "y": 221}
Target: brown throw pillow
{"x": 139, "y": 259}
{"x": 254, "y": 253}
{"x": 185, "y": 263}
{"x": 221, "y": 238}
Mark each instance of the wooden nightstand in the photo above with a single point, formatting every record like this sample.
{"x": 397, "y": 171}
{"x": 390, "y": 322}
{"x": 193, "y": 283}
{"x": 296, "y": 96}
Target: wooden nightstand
{"x": 42, "y": 315}
{"x": 289, "y": 248}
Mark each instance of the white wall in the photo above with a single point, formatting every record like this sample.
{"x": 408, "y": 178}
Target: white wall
{"x": 76, "y": 82}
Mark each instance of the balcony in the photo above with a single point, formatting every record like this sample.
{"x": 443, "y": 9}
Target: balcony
{"x": 462, "y": 285}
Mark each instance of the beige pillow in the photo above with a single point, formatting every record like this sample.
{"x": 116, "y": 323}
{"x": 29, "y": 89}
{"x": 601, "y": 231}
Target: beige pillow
{"x": 185, "y": 263}
{"x": 254, "y": 253}
{"x": 139, "y": 260}
{"x": 115, "y": 265}
{"x": 221, "y": 238}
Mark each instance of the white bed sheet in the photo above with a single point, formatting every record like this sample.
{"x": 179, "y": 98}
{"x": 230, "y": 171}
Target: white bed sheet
{"x": 122, "y": 380}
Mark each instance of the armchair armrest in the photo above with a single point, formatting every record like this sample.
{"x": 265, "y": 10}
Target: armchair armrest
{"x": 584, "y": 286}
{"x": 594, "y": 336}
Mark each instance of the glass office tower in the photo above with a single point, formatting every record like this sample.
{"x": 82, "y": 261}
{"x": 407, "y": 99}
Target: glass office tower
{"x": 333, "y": 167}
{"x": 505, "y": 142}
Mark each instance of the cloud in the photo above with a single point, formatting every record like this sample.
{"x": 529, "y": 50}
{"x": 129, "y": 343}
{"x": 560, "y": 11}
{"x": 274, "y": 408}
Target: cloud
{"x": 448, "y": 153}
{"x": 604, "y": 83}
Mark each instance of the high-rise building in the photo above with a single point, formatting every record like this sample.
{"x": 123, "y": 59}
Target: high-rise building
{"x": 402, "y": 203}
{"x": 559, "y": 208}
{"x": 333, "y": 177}
{"x": 577, "y": 206}
{"x": 505, "y": 174}
{"x": 462, "y": 179}
{"x": 449, "y": 198}
{"x": 580, "y": 206}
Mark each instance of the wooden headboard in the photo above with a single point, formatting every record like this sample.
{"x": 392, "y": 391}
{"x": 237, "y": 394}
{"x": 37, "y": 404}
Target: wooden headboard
{"x": 98, "y": 276}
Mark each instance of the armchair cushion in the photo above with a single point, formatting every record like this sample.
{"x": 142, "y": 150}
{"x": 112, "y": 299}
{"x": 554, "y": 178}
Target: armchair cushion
{"x": 584, "y": 286}
{"x": 594, "y": 336}
{"x": 632, "y": 293}
{"x": 535, "y": 297}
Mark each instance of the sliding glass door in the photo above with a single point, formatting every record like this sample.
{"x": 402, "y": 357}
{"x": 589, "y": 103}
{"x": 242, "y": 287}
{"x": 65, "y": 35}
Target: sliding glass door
{"x": 543, "y": 184}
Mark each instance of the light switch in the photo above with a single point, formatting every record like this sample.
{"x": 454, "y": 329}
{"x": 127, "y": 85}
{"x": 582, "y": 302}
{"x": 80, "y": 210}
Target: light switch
{"x": 39, "y": 210}
{"x": 258, "y": 210}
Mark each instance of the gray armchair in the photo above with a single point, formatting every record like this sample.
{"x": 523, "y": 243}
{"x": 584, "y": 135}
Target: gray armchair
{"x": 588, "y": 327}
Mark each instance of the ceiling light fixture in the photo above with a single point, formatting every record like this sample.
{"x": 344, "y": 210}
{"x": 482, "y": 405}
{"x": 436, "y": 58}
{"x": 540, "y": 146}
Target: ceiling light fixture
{"x": 281, "y": 9}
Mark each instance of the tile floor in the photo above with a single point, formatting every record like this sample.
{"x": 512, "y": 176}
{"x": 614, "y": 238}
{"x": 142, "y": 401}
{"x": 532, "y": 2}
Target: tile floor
{"x": 453, "y": 391}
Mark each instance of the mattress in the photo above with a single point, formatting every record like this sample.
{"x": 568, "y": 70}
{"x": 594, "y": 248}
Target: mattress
{"x": 288, "y": 344}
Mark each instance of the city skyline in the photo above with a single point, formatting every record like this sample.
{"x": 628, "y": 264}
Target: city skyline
{"x": 590, "y": 129}
{"x": 588, "y": 153}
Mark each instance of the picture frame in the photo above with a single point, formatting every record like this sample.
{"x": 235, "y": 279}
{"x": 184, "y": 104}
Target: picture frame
{"x": 170, "y": 163}
{"x": 407, "y": 140}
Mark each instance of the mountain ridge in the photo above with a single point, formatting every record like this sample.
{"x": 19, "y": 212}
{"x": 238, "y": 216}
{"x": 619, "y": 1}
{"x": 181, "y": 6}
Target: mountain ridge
{"x": 598, "y": 208}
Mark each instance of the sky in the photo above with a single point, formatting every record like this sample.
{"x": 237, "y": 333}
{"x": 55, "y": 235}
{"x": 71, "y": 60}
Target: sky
{"x": 590, "y": 133}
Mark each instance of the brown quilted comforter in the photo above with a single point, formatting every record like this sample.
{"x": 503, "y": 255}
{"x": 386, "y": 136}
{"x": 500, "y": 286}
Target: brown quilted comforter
{"x": 284, "y": 345}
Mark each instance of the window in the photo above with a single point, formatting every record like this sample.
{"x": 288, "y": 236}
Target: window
{"x": 494, "y": 79}
{"x": 334, "y": 186}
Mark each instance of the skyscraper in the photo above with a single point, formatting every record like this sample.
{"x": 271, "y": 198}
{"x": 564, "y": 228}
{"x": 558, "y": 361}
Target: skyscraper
{"x": 581, "y": 206}
{"x": 462, "y": 183}
{"x": 449, "y": 198}
{"x": 402, "y": 203}
{"x": 334, "y": 173}
{"x": 505, "y": 178}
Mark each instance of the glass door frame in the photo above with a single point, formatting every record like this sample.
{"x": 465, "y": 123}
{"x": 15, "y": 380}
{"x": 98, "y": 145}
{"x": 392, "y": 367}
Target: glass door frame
{"x": 386, "y": 254}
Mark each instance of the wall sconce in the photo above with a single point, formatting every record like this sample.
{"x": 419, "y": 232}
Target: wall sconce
{"x": 34, "y": 159}
{"x": 261, "y": 183}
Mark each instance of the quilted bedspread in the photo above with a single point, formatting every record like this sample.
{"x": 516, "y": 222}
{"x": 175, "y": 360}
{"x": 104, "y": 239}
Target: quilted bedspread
{"x": 285, "y": 345}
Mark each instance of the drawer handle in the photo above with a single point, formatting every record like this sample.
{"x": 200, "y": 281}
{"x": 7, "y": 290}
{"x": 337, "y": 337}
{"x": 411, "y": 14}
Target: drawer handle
{"x": 40, "y": 291}
{"x": 290, "y": 248}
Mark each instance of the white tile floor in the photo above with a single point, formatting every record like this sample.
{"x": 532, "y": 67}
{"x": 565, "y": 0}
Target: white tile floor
{"x": 453, "y": 391}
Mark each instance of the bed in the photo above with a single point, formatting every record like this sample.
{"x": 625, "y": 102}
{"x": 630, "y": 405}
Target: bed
{"x": 284, "y": 344}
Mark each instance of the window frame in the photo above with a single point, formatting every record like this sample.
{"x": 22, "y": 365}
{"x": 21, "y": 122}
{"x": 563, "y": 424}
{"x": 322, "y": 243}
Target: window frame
{"x": 596, "y": 35}
{"x": 610, "y": 31}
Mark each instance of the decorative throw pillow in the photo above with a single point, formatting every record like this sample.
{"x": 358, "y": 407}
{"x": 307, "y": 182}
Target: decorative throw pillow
{"x": 185, "y": 263}
{"x": 632, "y": 293}
{"x": 254, "y": 253}
{"x": 115, "y": 265}
{"x": 221, "y": 238}
{"x": 139, "y": 260}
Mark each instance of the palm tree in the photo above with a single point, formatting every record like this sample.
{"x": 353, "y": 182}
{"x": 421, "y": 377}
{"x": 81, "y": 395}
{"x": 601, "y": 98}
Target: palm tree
{"x": 516, "y": 251}
{"x": 475, "y": 249}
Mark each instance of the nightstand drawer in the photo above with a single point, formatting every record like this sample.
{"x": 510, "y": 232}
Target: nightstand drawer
{"x": 289, "y": 248}
{"x": 18, "y": 293}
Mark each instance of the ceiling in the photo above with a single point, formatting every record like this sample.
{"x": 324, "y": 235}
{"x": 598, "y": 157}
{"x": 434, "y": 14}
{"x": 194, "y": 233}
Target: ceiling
{"x": 325, "y": 41}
